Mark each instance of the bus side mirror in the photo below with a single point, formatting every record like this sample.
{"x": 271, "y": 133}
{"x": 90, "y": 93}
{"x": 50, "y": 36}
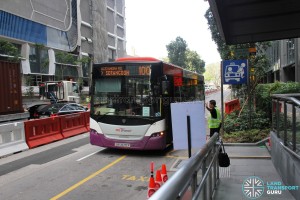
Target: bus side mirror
{"x": 165, "y": 87}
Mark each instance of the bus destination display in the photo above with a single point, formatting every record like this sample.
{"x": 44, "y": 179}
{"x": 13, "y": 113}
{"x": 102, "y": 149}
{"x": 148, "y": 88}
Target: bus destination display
{"x": 125, "y": 71}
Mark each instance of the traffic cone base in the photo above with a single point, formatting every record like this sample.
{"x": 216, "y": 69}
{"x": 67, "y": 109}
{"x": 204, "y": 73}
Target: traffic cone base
{"x": 151, "y": 192}
{"x": 158, "y": 180}
{"x": 151, "y": 187}
{"x": 164, "y": 175}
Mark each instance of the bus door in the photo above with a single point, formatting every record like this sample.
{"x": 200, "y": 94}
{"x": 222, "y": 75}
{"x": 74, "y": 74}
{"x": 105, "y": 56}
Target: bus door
{"x": 166, "y": 105}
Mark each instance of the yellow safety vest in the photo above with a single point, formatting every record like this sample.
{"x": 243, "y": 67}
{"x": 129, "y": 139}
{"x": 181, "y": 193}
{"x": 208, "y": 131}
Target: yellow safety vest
{"x": 214, "y": 123}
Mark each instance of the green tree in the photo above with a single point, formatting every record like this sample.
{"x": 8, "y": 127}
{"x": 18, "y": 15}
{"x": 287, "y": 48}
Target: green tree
{"x": 179, "y": 54}
{"x": 10, "y": 50}
{"x": 212, "y": 73}
{"x": 64, "y": 59}
{"x": 258, "y": 63}
{"x": 177, "y": 51}
{"x": 228, "y": 52}
{"x": 194, "y": 62}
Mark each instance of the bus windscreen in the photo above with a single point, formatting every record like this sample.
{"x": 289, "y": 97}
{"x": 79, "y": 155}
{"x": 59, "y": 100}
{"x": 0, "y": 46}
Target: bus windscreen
{"x": 125, "y": 96}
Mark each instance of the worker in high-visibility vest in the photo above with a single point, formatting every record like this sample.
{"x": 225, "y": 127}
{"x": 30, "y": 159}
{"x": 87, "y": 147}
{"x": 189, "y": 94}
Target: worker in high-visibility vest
{"x": 214, "y": 120}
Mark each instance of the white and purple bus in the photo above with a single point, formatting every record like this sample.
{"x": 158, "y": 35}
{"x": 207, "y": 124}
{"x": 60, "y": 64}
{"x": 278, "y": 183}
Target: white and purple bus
{"x": 130, "y": 102}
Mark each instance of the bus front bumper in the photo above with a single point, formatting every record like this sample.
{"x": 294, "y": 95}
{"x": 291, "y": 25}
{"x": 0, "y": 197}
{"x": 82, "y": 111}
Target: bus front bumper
{"x": 146, "y": 143}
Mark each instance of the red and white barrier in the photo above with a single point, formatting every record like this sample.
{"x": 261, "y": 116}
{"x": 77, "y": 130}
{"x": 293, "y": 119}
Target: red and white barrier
{"x": 42, "y": 131}
{"x": 12, "y": 138}
{"x": 73, "y": 124}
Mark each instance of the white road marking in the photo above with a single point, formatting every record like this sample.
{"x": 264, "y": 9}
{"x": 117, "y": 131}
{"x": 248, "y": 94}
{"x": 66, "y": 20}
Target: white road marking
{"x": 88, "y": 155}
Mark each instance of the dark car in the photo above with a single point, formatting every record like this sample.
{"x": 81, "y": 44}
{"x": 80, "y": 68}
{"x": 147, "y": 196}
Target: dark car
{"x": 34, "y": 109}
{"x": 60, "y": 109}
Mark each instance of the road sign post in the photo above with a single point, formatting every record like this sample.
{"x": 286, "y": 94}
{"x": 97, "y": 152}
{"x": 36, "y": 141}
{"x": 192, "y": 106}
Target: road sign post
{"x": 235, "y": 72}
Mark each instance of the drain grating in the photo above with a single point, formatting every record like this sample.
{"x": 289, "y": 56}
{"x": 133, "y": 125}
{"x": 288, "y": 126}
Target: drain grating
{"x": 224, "y": 172}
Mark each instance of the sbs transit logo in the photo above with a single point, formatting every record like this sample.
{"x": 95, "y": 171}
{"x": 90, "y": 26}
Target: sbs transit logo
{"x": 253, "y": 187}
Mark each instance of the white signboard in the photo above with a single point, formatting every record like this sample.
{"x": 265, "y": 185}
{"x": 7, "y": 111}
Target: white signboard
{"x": 196, "y": 111}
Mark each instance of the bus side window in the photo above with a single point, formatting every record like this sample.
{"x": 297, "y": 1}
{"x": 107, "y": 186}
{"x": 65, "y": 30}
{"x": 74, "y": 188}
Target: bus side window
{"x": 156, "y": 91}
{"x": 165, "y": 87}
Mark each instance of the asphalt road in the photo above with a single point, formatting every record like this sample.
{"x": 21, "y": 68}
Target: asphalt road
{"x": 74, "y": 169}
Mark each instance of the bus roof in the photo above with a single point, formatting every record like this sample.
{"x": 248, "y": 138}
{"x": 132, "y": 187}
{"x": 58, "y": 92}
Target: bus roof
{"x": 133, "y": 59}
{"x": 168, "y": 67}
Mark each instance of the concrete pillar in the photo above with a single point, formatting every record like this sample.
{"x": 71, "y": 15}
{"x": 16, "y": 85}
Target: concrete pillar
{"x": 25, "y": 49}
{"x": 51, "y": 54}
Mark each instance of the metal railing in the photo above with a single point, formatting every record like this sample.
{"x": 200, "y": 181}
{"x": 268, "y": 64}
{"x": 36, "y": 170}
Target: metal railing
{"x": 286, "y": 120}
{"x": 199, "y": 176}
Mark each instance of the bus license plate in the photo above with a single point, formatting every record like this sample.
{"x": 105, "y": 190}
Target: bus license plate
{"x": 122, "y": 145}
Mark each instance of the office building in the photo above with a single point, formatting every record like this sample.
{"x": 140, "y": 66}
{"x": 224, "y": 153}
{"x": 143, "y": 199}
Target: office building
{"x": 59, "y": 39}
{"x": 284, "y": 61}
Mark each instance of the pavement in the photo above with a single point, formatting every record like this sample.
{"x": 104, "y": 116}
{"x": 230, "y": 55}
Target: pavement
{"x": 246, "y": 161}
{"x": 249, "y": 163}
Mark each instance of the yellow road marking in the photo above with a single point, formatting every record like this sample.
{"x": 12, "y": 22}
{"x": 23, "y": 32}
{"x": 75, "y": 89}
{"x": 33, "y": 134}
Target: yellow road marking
{"x": 87, "y": 179}
{"x": 128, "y": 177}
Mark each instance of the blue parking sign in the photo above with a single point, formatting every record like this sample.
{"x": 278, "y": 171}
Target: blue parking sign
{"x": 235, "y": 71}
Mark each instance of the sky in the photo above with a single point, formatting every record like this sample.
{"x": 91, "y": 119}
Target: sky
{"x": 153, "y": 24}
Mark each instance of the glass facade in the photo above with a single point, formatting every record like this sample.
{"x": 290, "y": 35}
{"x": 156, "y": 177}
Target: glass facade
{"x": 289, "y": 124}
{"x": 290, "y": 51}
{"x": 56, "y": 27}
{"x": 39, "y": 59}
{"x": 65, "y": 72}
{"x": 298, "y": 130}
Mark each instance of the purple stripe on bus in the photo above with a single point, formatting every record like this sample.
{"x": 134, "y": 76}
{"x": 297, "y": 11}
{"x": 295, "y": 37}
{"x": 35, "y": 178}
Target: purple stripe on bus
{"x": 147, "y": 143}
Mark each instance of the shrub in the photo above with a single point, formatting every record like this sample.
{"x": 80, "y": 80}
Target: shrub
{"x": 263, "y": 92}
{"x": 251, "y": 136}
{"x": 233, "y": 122}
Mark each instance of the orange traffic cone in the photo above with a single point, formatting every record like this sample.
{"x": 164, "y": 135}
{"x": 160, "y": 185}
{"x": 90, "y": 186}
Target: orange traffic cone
{"x": 151, "y": 187}
{"x": 152, "y": 168}
{"x": 158, "y": 180}
{"x": 164, "y": 175}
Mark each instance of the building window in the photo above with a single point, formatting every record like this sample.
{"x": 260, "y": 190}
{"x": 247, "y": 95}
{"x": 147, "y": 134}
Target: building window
{"x": 65, "y": 72}
{"x": 290, "y": 51}
{"x": 39, "y": 59}
{"x": 111, "y": 55}
{"x": 66, "y": 58}
{"x": 86, "y": 66}
{"x": 66, "y": 66}
{"x": 9, "y": 50}
{"x": 32, "y": 79}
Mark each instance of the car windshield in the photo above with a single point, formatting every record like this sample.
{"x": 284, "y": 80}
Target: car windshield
{"x": 54, "y": 108}
{"x": 71, "y": 107}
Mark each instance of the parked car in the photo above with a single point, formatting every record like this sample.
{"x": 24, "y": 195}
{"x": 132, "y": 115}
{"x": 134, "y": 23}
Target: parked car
{"x": 60, "y": 109}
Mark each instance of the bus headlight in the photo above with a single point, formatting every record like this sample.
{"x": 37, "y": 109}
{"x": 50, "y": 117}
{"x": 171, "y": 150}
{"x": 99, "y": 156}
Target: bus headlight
{"x": 157, "y": 134}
